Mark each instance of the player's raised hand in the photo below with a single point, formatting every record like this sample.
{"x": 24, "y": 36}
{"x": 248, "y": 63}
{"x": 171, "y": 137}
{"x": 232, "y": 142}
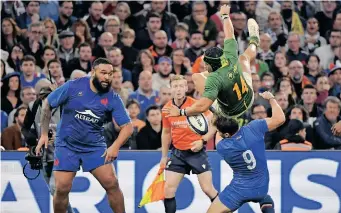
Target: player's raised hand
{"x": 111, "y": 153}
{"x": 225, "y": 9}
{"x": 197, "y": 145}
{"x": 171, "y": 111}
{"x": 43, "y": 140}
{"x": 267, "y": 95}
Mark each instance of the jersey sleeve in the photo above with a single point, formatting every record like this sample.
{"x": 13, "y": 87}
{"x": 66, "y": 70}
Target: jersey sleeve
{"x": 260, "y": 126}
{"x": 212, "y": 86}
{"x": 59, "y": 96}
{"x": 119, "y": 113}
{"x": 230, "y": 50}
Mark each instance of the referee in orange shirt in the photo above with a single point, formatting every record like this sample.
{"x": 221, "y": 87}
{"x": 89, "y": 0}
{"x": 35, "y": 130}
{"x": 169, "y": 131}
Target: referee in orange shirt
{"x": 189, "y": 148}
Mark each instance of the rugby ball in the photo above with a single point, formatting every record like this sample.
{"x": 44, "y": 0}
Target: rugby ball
{"x": 198, "y": 124}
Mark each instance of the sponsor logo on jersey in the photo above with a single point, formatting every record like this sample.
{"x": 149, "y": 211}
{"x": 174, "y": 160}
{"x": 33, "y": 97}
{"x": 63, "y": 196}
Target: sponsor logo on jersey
{"x": 87, "y": 115}
{"x": 80, "y": 94}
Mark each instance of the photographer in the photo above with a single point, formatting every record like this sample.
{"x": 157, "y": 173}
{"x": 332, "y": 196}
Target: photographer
{"x": 31, "y": 132}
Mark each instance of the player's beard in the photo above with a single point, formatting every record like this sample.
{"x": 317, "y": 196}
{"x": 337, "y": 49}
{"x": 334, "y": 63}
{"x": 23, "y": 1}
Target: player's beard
{"x": 97, "y": 84}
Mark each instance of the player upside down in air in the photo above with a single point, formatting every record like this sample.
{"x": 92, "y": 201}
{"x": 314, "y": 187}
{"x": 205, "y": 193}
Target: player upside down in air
{"x": 227, "y": 83}
{"x": 188, "y": 153}
{"x": 86, "y": 103}
{"x": 243, "y": 149}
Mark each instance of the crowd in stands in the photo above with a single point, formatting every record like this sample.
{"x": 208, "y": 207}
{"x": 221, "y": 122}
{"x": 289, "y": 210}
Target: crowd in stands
{"x": 299, "y": 60}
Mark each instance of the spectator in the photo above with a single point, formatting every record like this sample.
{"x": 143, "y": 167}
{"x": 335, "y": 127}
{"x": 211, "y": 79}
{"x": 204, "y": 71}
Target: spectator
{"x": 239, "y": 24}
{"x": 95, "y": 20}
{"x": 134, "y": 110}
{"x": 267, "y": 82}
{"x": 30, "y": 16}
{"x": 309, "y": 96}
{"x": 258, "y": 111}
{"x": 128, "y": 51}
{"x": 220, "y": 39}
{"x": 145, "y": 62}
{"x": 112, "y": 25}
{"x": 286, "y": 86}
{"x": 265, "y": 54}
{"x": 314, "y": 68}
{"x": 296, "y": 74}
{"x": 165, "y": 95}
{"x": 145, "y": 94}
{"x": 16, "y": 55}
{"x": 283, "y": 100}
{"x": 145, "y": 37}
{"x": 168, "y": 20}
{"x": 50, "y": 37}
{"x": 263, "y": 10}
{"x": 12, "y": 138}
{"x": 67, "y": 51}
{"x": 149, "y": 136}
{"x": 49, "y": 53}
{"x": 4, "y": 118}
{"x": 295, "y": 53}
{"x": 196, "y": 41}
{"x": 324, "y": 17}
{"x": 181, "y": 34}
{"x": 82, "y": 32}
{"x": 82, "y": 63}
{"x": 295, "y": 138}
{"x": 279, "y": 65}
{"x": 55, "y": 68}
{"x": 12, "y": 9}
{"x": 276, "y": 31}
{"x": 160, "y": 47}
{"x": 3, "y": 72}
{"x": 249, "y": 8}
{"x": 77, "y": 74}
{"x": 105, "y": 42}
{"x": 335, "y": 81}
{"x": 10, "y": 92}
{"x": 10, "y": 35}
{"x": 323, "y": 125}
{"x": 322, "y": 87}
{"x": 65, "y": 19}
{"x": 337, "y": 19}
{"x": 181, "y": 64}
{"x": 292, "y": 21}
{"x": 116, "y": 84}
{"x": 181, "y": 9}
{"x": 33, "y": 44}
{"x": 198, "y": 21}
{"x": 163, "y": 75}
{"x": 312, "y": 37}
{"x": 27, "y": 94}
{"x": 29, "y": 77}
{"x": 116, "y": 57}
{"x": 326, "y": 53}
{"x": 123, "y": 12}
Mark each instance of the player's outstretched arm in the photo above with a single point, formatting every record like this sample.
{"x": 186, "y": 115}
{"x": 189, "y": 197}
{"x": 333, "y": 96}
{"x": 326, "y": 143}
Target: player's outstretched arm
{"x": 200, "y": 106}
{"x": 227, "y": 23}
{"x": 278, "y": 117}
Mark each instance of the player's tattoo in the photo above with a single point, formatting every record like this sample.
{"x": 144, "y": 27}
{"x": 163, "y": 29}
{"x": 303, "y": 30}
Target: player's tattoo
{"x": 45, "y": 117}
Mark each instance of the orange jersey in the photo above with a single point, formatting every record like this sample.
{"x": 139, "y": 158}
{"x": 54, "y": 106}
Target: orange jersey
{"x": 182, "y": 135}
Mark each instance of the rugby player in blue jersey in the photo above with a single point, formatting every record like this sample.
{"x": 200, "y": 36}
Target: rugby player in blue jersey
{"x": 86, "y": 102}
{"x": 244, "y": 150}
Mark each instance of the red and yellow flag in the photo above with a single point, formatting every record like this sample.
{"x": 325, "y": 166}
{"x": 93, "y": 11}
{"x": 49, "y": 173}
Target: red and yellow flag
{"x": 156, "y": 190}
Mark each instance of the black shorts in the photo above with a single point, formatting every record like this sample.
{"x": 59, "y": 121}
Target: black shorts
{"x": 185, "y": 161}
